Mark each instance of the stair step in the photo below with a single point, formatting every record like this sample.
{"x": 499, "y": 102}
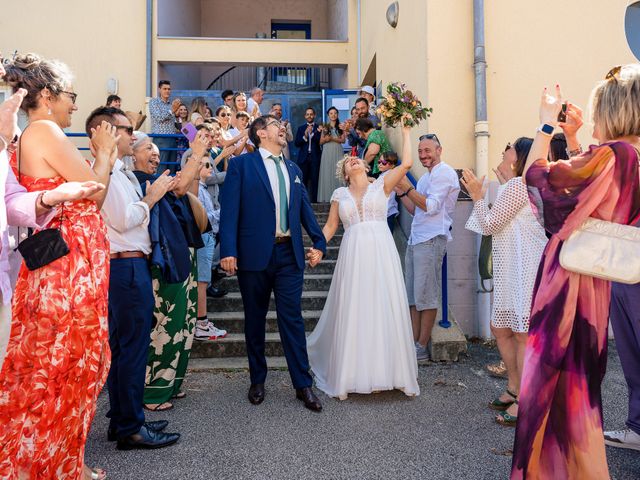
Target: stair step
{"x": 325, "y": 266}
{"x": 232, "y": 302}
{"x": 312, "y": 281}
{"x": 233, "y": 322}
{"x": 233, "y": 345}
{"x": 321, "y": 207}
{"x": 334, "y": 242}
{"x": 225, "y": 364}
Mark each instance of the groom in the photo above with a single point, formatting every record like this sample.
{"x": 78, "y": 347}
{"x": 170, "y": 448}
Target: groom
{"x": 263, "y": 207}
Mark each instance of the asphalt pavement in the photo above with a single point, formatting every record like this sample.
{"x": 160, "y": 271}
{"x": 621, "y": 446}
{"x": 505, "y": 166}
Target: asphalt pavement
{"x": 445, "y": 433}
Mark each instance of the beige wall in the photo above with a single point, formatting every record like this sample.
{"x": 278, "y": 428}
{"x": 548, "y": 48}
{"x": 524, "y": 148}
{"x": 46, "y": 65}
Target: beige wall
{"x": 245, "y": 18}
{"x": 92, "y": 56}
{"x": 179, "y": 18}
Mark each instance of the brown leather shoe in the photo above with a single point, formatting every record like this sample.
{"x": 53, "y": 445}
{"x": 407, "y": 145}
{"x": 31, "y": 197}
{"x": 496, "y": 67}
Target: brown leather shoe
{"x": 309, "y": 398}
{"x": 256, "y": 393}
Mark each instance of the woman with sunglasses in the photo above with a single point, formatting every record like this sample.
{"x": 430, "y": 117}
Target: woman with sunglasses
{"x": 559, "y": 432}
{"x": 517, "y": 245}
{"x": 58, "y": 355}
{"x": 224, "y": 115}
{"x": 331, "y": 139}
{"x": 363, "y": 342}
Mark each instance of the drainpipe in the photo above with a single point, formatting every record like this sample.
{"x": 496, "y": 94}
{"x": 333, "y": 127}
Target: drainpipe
{"x": 149, "y": 43}
{"x": 482, "y": 141}
{"x": 359, "y": 48}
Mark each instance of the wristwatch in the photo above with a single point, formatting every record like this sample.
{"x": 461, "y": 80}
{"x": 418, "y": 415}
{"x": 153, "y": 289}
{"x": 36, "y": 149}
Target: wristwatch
{"x": 546, "y": 129}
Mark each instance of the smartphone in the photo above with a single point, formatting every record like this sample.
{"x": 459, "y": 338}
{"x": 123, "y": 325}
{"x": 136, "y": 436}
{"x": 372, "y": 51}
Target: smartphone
{"x": 562, "y": 116}
{"x": 189, "y": 131}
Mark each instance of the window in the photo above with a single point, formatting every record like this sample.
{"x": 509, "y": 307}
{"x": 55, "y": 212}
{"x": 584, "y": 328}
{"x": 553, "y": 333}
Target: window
{"x": 290, "y": 31}
{"x": 632, "y": 28}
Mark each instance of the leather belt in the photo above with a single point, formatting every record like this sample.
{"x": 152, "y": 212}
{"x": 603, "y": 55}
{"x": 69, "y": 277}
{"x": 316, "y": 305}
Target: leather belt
{"x": 132, "y": 254}
{"x": 283, "y": 239}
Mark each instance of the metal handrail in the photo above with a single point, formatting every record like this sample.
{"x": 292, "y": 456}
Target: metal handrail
{"x": 219, "y": 77}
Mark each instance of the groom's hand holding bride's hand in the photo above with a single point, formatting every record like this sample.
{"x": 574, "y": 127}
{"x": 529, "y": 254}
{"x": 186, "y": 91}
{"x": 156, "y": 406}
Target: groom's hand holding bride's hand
{"x": 229, "y": 265}
{"x": 314, "y": 256}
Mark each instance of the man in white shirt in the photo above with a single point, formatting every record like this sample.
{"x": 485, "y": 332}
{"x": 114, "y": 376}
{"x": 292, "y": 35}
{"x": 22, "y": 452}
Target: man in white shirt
{"x": 432, "y": 204}
{"x": 254, "y": 102}
{"x": 126, "y": 213}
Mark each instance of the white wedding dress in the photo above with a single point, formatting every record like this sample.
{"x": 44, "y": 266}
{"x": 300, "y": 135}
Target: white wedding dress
{"x": 363, "y": 341}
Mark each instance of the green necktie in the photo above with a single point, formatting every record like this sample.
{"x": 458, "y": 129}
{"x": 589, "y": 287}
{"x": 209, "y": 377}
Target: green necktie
{"x": 282, "y": 192}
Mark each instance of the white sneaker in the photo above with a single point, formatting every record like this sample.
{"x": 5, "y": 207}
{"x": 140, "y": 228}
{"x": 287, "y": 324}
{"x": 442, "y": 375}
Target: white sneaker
{"x": 209, "y": 333}
{"x": 422, "y": 353}
{"x": 625, "y": 438}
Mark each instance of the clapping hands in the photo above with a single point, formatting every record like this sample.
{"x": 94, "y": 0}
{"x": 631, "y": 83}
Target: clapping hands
{"x": 314, "y": 256}
{"x": 473, "y": 184}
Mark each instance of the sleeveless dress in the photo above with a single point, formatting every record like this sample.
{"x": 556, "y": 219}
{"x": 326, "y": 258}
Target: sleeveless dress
{"x": 58, "y": 354}
{"x": 332, "y": 152}
{"x": 363, "y": 341}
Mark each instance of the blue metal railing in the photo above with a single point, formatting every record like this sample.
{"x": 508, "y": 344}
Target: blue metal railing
{"x": 444, "y": 323}
{"x": 152, "y": 135}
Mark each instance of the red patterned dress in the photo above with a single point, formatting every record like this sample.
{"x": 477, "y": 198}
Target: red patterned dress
{"x": 58, "y": 354}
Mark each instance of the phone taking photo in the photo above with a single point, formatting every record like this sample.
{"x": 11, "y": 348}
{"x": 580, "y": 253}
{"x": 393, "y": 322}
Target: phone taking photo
{"x": 562, "y": 116}
{"x": 189, "y": 131}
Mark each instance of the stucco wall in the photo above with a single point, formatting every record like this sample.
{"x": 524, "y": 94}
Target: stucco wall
{"x": 179, "y": 18}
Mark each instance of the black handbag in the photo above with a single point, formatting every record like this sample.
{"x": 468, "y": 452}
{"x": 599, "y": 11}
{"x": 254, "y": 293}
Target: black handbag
{"x": 44, "y": 247}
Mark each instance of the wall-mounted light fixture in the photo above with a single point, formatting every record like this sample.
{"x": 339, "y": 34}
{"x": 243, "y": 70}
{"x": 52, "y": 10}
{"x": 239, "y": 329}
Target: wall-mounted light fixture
{"x": 392, "y": 14}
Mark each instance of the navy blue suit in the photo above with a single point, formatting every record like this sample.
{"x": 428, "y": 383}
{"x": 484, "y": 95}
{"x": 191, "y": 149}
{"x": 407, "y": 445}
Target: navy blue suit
{"x": 247, "y": 232}
{"x": 309, "y": 159}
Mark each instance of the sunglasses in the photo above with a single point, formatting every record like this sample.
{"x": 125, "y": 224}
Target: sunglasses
{"x": 127, "y": 129}
{"x": 207, "y": 165}
{"x": 508, "y": 147}
{"x": 223, "y": 114}
{"x": 430, "y": 136}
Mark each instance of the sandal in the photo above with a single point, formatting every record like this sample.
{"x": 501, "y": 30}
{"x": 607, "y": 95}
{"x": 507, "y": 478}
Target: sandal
{"x": 497, "y": 370}
{"x": 94, "y": 473}
{"x": 179, "y": 395}
{"x": 160, "y": 407}
{"x": 506, "y": 419}
{"x": 498, "y": 404}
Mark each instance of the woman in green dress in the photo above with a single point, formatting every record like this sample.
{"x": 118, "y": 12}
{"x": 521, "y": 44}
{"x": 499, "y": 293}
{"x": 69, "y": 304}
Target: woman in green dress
{"x": 377, "y": 143}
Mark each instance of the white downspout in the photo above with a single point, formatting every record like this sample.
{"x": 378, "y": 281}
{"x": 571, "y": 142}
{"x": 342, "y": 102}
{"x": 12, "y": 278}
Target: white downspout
{"x": 482, "y": 141}
{"x": 359, "y": 48}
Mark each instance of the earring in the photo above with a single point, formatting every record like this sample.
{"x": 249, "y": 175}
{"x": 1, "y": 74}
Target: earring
{"x": 49, "y": 111}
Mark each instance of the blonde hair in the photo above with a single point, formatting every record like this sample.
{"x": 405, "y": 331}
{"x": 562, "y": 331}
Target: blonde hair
{"x": 341, "y": 168}
{"x": 615, "y": 103}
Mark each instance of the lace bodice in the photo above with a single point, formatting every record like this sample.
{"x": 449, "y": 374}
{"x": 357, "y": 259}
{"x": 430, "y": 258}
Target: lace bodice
{"x": 372, "y": 207}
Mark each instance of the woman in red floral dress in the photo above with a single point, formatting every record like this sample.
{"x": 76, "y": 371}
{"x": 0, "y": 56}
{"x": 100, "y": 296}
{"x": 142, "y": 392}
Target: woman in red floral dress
{"x": 58, "y": 356}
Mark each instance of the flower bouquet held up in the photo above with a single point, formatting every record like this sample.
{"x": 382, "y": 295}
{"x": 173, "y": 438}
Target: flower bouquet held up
{"x": 399, "y": 104}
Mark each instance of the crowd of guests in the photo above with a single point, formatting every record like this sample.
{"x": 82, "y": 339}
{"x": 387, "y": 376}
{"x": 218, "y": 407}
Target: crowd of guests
{"x": 122, "y": 293}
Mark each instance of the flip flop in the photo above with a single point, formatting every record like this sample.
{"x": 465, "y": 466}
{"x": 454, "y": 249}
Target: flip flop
{"x": 96, "y": 473}
{"x": 506, "y": 419}
{"x": 498, "y": 404}
{"x": 179, "y": 395}
{"x": 161, "y": 407}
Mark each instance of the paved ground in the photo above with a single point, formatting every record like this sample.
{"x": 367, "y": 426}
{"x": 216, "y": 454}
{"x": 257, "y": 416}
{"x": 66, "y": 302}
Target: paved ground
{"x": 445, "y": 433}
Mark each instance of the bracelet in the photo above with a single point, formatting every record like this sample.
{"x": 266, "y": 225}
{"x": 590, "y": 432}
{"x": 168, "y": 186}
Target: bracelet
{"x": 405, "y": 193}
{"x": 573, "y": 153}
{"x": 41, "y": 202}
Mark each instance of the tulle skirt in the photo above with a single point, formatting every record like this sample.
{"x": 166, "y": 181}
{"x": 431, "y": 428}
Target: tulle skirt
{"x": 363, "y": 342}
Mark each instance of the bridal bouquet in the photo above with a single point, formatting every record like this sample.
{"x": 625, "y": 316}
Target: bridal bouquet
{"x": 399, "y": 104}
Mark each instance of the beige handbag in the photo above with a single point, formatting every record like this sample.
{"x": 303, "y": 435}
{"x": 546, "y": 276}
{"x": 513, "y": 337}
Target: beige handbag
{"x": 605, "y": 250}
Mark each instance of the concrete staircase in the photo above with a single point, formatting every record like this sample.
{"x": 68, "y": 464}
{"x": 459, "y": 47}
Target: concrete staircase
{"x": 227, "y": 313}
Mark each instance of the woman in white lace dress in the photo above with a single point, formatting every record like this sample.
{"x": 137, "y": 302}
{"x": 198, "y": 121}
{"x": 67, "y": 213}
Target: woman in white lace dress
{"x": 518, "y": 242}
{"x": 363, "y": 341}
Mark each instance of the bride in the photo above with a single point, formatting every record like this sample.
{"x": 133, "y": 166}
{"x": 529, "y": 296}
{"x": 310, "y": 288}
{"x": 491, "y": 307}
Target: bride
{"x": 363, "y": 341}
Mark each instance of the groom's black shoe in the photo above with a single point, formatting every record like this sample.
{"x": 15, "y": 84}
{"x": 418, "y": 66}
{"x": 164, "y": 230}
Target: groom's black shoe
{"x": 256, "y": 393}
{"x": 156, "y": 426}
{"x": 147, "y": 439}
{"x": 309, "y": 398}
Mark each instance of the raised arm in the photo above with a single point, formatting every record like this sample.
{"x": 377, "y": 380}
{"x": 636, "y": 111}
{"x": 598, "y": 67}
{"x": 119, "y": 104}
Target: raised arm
{"x": 394, "y": 176}
{"x": 549, "y": 109}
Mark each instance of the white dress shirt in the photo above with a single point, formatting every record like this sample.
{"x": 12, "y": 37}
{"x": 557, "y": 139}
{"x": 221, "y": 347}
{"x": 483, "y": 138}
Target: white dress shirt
{"x": 441, "y": 187}
{"x": 270, "y": 165}
{"x": 126, "y": 216}
{"x": 251, "y": 104}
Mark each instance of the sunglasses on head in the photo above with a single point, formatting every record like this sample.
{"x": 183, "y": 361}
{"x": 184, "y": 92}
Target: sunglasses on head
{"x": 508, "y": 147}
{"x": 126, "y": 128}
{"x": 613, "y": 73}
{"x": 430, "y": 136}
